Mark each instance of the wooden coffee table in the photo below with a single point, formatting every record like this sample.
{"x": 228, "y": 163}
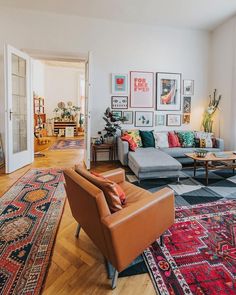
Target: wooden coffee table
{"x": 211, "y": 162}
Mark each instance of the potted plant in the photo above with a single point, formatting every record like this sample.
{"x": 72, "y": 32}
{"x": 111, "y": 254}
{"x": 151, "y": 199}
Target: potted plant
{"x": 81, "y": 122}
{"x": 113, "y": 123}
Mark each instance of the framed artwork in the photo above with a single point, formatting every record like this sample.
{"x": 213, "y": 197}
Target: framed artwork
{"x": 117, "y": 114}
{"x": 187, "y": 104}
{"x": 119, "y": 83}
{"x": 186, "y": 118}
{"x": 160, "y": 120}
{"x": 2, "y": 160}
{"x": 188, "y": 87}
{"x": 173, "y": 120}
{"x": 119, "y": 102}
{"x": 168, "y": 92}
{"x": 69, "y": 132}
{"x": 129, "y": 117}
{"x": 143, "y": 119}
{"x": 141, "y": 89}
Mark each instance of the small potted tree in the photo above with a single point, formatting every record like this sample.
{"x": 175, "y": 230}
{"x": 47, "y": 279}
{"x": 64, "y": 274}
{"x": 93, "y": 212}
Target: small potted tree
{"x": 81, "y": 122}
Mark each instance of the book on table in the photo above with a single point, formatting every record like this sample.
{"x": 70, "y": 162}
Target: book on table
{"x": 221, "y": 155}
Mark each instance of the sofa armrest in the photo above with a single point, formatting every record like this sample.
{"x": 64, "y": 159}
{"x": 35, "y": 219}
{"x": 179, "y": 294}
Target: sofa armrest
{"x": 220, "y": 143}
{"x": 123, "y": 150}
{"x": 131, "y": 230}
{"x": 116, "y": 175}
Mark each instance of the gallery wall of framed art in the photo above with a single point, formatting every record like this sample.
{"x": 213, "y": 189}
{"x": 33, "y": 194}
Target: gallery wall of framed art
{"x": 171, "y": 106}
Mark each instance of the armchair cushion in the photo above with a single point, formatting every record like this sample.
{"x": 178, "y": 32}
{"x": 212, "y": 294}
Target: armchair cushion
{"x": 107, "y": 186}
{"x": 117, "y": 187}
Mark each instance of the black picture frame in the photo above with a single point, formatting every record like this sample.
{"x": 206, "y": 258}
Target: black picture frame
{"x": 119, "y": 102}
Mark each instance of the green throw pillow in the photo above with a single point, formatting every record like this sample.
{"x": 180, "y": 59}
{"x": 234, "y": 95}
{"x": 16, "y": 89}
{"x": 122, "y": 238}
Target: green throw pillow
{"x": 186, "y": 138}
{"x": 147, "y": 138}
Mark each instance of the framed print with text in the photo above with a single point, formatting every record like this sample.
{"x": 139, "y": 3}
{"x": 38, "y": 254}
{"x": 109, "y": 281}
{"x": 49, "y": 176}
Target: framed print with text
{"x": 141, "y": 89}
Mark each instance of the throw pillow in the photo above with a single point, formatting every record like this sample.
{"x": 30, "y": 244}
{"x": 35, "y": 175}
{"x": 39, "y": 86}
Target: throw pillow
{"x": 117, "y": 187}
{"x": 161, "y": 139}
{"x": 186, "y": 138}
{"x": 107, "y": 186}
{"x": 206, "y": 136}
{"x": 131, "y": 142}
{"x": 173, "y": 140}
{"x": 147, "y": 138}
{"x": 136, "y": 136}
{"x": 214, "y": 142}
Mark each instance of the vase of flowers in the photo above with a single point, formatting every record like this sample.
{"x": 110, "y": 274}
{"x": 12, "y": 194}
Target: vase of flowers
{"x": 210, "y": 111}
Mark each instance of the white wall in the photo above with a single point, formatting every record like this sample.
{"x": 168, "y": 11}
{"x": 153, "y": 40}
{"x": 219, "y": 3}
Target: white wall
{"x": 222, "y": 77}
{"x": 117, "y": 47}
{"x": 38, "y": 75}
{"x": 61, "y": 84}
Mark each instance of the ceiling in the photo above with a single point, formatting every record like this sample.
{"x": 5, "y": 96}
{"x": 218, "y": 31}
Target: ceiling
{"x": 194, "y": 14}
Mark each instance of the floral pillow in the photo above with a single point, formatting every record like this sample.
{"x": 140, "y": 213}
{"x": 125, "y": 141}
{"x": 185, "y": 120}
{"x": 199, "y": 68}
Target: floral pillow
{"x": 135, "y": 136}
{"x": 186, "y": 138}
{"x": 161, "y": 139}
{"x": 204, "y": 138}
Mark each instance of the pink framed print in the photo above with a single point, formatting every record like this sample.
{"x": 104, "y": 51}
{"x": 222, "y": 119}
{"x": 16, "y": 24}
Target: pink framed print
{"x": 141, "y": 89}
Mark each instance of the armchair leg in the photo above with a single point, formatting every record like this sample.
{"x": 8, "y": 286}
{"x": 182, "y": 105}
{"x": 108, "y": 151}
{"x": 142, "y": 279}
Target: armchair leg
{"x": 77, "y": 230}
{"x": 110, "y": 269}
{"x": 114, "y": 280}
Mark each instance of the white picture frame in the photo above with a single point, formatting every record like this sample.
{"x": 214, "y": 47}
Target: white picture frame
{"x": 168, "y": 91}
{"x": 143, "y": 119}
{"x": 129, "y": 115}
{"x": 141, "y": 89}
{"x": 119, "y": 83}
{"x": 188, "y": 87}
{"x": 173, "y": 120}
{"x": 160, "y": 120}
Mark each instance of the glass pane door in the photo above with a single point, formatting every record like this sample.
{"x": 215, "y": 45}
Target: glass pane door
{"x": 19, "y": 104}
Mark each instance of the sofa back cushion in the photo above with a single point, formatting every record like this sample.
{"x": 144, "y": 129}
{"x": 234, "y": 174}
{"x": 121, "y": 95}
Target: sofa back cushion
{"x": 132, "y": 144}
{"x": 161, "y": 139}
{"x": 107, "y": 186}
{"x": 173, "y": 140}
{"x": 147, "y": 138}
{"x": 135, "y": 136}
{"x": 186, "y": 138}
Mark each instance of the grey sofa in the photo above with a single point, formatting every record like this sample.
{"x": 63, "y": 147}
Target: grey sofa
{"x": 148, "y": 163}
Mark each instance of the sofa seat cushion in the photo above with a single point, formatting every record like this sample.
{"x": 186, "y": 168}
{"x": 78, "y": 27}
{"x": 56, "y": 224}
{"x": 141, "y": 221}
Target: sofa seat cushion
{"x": 133, "y": 193}
{"x": 180, "y": 152}
{"x": 152, "y": 160}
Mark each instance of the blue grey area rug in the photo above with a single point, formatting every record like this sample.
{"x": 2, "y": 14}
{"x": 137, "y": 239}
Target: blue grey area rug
{"x": 189, "y": 191}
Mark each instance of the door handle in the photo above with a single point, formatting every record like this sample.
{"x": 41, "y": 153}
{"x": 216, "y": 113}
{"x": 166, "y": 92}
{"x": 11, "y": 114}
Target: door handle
{"x": 10, "y": 113}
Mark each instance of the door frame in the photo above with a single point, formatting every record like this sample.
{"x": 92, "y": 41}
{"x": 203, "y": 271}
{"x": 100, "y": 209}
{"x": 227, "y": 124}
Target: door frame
{"x": 7, "y": 93}
{"x": 67, "y": 57}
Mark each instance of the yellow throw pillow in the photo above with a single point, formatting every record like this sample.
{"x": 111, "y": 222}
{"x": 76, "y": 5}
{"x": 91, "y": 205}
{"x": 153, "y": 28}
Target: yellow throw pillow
{"x": 135, "y": 136}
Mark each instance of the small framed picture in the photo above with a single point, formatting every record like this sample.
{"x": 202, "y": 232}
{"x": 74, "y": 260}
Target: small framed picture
{"x": 119, "y": 83}
{"x": 128, "y": 116}
{"x": 187, "y": 104}
{"x": 119, "y": 102}
{"x": 160, "y": 120}
{"x": 143, "y": 119}
{"x": 186, "y": 118}
{"x": 173, "y": 120}
{"x": 117, "y": 114}
{"x": 168, "y": 91}
{"x": 188, "y": 87}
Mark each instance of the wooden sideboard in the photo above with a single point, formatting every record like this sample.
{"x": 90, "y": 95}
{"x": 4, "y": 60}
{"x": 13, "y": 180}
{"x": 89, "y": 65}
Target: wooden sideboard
{"x": 62, "y": 125}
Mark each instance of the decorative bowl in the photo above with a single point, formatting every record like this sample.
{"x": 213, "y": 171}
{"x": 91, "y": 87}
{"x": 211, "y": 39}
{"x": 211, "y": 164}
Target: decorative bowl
{"x": 201, "y": 153}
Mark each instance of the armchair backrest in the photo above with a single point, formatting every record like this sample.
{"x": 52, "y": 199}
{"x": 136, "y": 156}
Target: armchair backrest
{"x": 88, "y": 206}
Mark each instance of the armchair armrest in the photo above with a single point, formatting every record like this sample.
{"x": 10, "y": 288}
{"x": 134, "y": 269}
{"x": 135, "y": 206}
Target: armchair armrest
{"x": 131, "y": 230}
{"x": 116, "y": 175}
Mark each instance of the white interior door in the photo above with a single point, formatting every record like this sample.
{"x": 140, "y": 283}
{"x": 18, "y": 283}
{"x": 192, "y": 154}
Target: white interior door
{"x": 18, "y": 110}
{"x": 87, "y": 121}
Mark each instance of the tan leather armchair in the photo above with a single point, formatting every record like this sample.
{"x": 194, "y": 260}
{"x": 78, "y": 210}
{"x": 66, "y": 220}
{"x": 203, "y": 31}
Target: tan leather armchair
{"x": 123, "y": 235}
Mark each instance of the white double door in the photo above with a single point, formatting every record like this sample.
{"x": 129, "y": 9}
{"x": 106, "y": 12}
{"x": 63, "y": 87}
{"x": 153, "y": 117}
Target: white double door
{"x": 19, "y": 149}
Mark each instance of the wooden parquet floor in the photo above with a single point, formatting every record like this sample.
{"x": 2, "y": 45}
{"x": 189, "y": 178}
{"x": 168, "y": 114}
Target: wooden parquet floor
{"x": 77, "y": 266}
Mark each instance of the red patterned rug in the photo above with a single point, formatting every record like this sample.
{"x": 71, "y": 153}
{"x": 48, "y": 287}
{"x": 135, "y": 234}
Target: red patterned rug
{"x": 199, "y": 253}
{"x": 30, "y": 213}
{"x": 68, "y": 144}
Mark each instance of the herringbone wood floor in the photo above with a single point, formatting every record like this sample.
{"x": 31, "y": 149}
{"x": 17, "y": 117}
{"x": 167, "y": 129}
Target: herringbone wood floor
{"x": 77, "y": 266}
